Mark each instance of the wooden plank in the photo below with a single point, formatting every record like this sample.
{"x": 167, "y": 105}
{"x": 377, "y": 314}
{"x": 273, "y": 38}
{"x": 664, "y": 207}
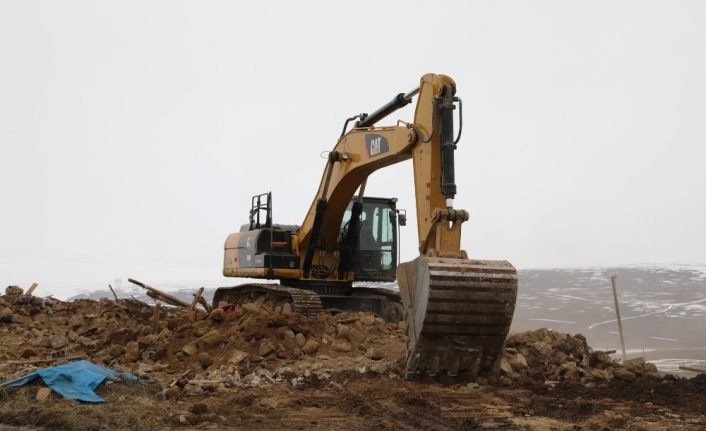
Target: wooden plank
{"x": 192, "y": 307}
{"x": 155, "y": 318}
{"x": 158, "y": 294}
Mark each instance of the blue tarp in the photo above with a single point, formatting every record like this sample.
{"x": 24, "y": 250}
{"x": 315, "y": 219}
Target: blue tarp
{"x": 76, "y": 380}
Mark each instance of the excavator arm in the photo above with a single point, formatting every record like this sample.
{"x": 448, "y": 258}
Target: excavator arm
{"x": 429, "y": 141}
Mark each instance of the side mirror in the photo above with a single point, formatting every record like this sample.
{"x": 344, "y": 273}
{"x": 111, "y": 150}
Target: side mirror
{"x": 402, "y": 217}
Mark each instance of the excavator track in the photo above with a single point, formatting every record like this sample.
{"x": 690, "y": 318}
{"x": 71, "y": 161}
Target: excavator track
{"x": 303, "y": 301}
{"x": 458, "y": 313}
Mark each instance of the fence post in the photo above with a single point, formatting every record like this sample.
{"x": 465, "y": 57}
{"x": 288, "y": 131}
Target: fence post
{"x": 617, "y": 313}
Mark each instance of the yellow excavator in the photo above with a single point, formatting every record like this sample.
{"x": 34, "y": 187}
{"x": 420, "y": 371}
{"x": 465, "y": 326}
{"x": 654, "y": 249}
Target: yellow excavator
{"x": 458, "y": 310}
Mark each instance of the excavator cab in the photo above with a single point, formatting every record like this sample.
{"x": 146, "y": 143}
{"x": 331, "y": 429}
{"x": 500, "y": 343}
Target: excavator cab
{"x": 375, "y": 258}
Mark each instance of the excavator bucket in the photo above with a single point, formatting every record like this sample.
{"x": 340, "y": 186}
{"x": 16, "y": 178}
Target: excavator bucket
{"x": 458, "y": 313}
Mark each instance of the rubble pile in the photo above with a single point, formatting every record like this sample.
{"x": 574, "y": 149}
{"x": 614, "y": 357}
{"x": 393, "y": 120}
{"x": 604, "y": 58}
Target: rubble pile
{"x": 256, "y": 344}
{"x": 250, "y": 345}
{"x": 547, "y": 356}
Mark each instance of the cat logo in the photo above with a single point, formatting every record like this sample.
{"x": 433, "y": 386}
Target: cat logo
{"x": 376, "y": 144}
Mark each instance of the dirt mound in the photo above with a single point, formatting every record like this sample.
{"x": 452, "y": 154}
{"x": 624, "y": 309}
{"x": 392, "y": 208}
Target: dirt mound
{"x": 232, "y": 346}
{"x": 546, "y": 356}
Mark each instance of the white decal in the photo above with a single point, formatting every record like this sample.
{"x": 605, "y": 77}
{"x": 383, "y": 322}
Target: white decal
{"x": 375, "y": 146}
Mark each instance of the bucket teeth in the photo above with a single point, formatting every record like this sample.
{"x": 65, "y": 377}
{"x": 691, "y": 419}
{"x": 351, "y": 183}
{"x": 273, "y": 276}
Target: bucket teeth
{"x": 458, "y": 313}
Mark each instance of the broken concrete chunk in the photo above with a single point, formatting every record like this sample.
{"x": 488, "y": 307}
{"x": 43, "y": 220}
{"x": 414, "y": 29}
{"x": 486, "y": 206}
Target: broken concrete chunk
{"x": 266, "y": 347}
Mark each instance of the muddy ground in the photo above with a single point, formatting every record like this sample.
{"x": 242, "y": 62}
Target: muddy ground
{"x": 263, "y": 366}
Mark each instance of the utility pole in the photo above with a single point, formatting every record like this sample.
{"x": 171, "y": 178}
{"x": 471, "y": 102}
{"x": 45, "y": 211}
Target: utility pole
{"x": 617, "y": 314}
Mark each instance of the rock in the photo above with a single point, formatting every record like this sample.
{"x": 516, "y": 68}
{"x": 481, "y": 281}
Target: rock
{"x": 342, "y": 346}
{"x": 116, "y": 350}
{"x": 57, "y": 342}
{"x": 6, "y": 315}
{"x": 570, "y": 371}
{"x": 29, "y": 352}
{"x": 86, "y": 342}
{"x": 42, "y": 394}
{"x": 342, "y": 331}
{"x": 310, "y": 347}
{"x": 286, "y": 308}
{"x": 544, "y": 349}
{"x": 516, "y": 360}
{"x": 634, "y": 365}
{"x": 623, "y": 374}
{"x": 201, "y": 328}
{"x": 143, "y": 369}
{"x": 217, "y": 315}
{"x": 285, "y": 333}
{"x": 356, "y": 337}
{"x": 270, "y": 403}
{"x": 132, "y": 351}
{"x": 13, "y": 291}
{"x": 375, "y": 354}
{"x": 237, "y": 357}
{"x": 198, "y": 408}
{"x": 72, "y": 336}
{"x": 651, "y": 369}
{"x": 559, "y": 357}
{"x": 75, "y": 321}
{"x": 44, "y": 342}
{"x": 252, "y": 380}
{"x": 330, "y": 329}
{"x": 147, "y": 341}
{"x": 205, "y": 360}
{"x": 300, "y": 339}
{"x": 367, "y": 320}
{"x": 190, "y": 348}
{"x": 266, "y": 347}
{"x": 181, "y": 328}
{"x": 210, "y": 340}
{"x": 600, "y": 375}
{"x": 505, "y": 367}
{"x": 172, "y": 393}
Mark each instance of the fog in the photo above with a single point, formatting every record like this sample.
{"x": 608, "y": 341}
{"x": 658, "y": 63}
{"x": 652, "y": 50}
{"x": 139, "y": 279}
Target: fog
{"x": 132, "y": 134}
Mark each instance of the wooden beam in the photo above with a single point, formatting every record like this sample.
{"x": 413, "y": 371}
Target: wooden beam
{"x": 158, "y": 294}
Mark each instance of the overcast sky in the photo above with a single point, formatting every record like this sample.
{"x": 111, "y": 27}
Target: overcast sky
{"x": 133, "y": 133}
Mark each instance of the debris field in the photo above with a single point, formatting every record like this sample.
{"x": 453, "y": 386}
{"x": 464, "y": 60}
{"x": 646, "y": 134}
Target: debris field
{"x": 261, "y": 365}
